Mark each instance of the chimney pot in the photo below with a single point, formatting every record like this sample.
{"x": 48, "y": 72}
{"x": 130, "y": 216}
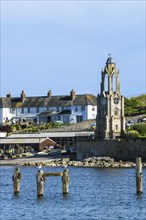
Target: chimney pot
{"x": 49, "y": 94}
{"x": 72, "y": 94}
{"x": 23, "y": 96}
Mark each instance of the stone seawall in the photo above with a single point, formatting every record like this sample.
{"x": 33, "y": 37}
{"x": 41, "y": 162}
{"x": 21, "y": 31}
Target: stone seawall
{"x": 126, "y": 150}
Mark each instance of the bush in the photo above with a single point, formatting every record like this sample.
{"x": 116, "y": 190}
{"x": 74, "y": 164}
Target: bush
{"x": 140, "y": 128}
{"x": 48, "y": 125}
{"x": 13, "y": 128}
{"x": 132, "y": 134}
{"x": 35, "y": 129}
{"x": 18, "y": 127}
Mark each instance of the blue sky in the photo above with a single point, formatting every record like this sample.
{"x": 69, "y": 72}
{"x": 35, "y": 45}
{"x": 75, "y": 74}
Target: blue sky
{"x": 63, "y": 45}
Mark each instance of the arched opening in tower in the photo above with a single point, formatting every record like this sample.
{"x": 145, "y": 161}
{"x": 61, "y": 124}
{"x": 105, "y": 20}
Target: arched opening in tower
{"x": 106, "y": 83}
{"x": 114, "y": 83}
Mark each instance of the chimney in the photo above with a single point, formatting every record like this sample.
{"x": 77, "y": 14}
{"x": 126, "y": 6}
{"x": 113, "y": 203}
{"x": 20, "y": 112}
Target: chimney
{"x": 8, "y": 95}
{"x": 72, "y": 94}
{"x": 49, "y": 94}
{"x": 23, "y": 96}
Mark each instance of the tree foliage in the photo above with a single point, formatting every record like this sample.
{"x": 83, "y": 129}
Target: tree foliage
{"x": 132, "y": 104}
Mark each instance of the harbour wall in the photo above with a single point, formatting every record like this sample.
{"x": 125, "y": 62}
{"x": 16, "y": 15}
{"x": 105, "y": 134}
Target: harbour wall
{"x": 126, "y": 150}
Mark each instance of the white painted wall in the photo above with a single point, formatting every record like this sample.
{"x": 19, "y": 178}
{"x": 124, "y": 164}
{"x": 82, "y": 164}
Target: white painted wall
{"x": 86, "y": 113}
{"x": 5, "y": 115}
{"x": 33, "y": 112}
{"x": 91, "y": 112}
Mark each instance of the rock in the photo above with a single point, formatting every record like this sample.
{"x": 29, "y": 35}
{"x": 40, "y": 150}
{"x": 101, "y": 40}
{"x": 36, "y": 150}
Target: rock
{"x": 70, "y": 163}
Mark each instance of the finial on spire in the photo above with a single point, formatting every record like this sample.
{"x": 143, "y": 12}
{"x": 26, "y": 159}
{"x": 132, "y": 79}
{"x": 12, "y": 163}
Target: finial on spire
{"x": 109, "y": 54}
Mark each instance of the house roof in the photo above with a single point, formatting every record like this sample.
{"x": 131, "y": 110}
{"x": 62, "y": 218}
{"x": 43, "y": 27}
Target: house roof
{"x": 25, "y": 140}
{"x": 5, "y": 103}
{"x": 47, "y": 113}
{"x": 45, "y": 101}
{"x": 48, "y": 134}
{"x": 65, "y": 112}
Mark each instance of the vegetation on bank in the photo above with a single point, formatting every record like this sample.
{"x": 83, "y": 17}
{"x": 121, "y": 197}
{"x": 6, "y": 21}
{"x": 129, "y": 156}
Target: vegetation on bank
{"x": 135, "y": 105}
{"x": 137, "y": 131}
{"x": 26, "y": 127}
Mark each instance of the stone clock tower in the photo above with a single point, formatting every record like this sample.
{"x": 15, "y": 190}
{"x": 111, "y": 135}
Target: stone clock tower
{"x": 110, "y": 120}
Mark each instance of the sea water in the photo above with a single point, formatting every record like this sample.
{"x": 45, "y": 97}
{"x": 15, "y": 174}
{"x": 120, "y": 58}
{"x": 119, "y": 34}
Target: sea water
{"x": 94, "y": 193}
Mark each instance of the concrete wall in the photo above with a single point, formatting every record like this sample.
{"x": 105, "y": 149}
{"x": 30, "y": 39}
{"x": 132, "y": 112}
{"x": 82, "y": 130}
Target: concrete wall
{"x": 119, "y": 150}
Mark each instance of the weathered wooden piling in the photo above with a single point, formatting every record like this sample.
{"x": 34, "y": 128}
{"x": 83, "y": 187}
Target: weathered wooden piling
{"x": 16, "y": 180}
{"x": 65, "y": 181}
{"x": 40, "y": 179}
{"x": 138, "y": 175}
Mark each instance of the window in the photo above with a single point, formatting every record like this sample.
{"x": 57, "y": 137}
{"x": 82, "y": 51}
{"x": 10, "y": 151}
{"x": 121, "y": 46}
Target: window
{"x": 76, "y": 109}
{"x": 22, "y": 110}
{"x": 57, "y": 109}
{"x": 37, "y": 110}
{"x": 79, "y": 118}
{"x": 13, "y": 110}
{"x": 28, "y": 110}
{"x": 93, "y": 108}
{"x": 58, "y": 117}
{"x": 82, "y": 108}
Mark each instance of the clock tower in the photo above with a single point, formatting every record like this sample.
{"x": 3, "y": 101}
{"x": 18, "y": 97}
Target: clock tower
{"x": 110, "y": 120}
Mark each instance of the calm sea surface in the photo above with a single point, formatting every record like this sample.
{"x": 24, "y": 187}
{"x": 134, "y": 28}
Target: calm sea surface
{"x": 93, "y": 194}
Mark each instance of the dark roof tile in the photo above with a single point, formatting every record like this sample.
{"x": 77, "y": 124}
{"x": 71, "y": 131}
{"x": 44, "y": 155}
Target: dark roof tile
{"x": 45, "y": 101}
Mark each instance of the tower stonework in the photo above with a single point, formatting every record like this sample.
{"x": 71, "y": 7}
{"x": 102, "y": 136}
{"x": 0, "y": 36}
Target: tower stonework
{"x": 110, "y": 120}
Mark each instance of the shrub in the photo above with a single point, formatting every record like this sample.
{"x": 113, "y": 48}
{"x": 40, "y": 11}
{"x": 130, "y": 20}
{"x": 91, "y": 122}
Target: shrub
{"x": 35, "y": 129}
{"x": 13, "y": 128}
{"x": 132, "y": 134}
{"x": 18, "y": 127}
{"x": 141, "y": 128}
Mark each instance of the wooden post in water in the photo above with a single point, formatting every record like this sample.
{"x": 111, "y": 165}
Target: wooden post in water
{"x": 138, "y": 175}
{"x": 16, "y": 180}
{"x": 40, "y": 179}
{"x": 65, "y": 181}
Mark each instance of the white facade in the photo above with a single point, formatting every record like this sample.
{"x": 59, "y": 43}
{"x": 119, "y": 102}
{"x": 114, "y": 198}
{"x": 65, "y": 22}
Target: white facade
{"x": 68, "y": 109}
{"x": 91, "y": 112}
{"x": 5, "y": 115}
{"x": 78, "y": 113}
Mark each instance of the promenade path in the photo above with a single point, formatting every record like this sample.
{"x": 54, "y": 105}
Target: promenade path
{"x": 36, "y": 158}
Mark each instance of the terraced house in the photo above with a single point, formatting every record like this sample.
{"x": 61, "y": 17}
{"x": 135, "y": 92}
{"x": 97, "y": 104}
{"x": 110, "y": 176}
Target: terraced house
{"x": 43, "y": 109}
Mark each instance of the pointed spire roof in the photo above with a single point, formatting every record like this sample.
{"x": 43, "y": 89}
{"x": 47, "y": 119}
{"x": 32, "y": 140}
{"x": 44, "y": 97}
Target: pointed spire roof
{"x": 110, "y": 60}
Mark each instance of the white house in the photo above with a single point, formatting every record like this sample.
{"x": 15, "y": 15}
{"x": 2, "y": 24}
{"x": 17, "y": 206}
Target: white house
{"x": 43, "y": 109}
